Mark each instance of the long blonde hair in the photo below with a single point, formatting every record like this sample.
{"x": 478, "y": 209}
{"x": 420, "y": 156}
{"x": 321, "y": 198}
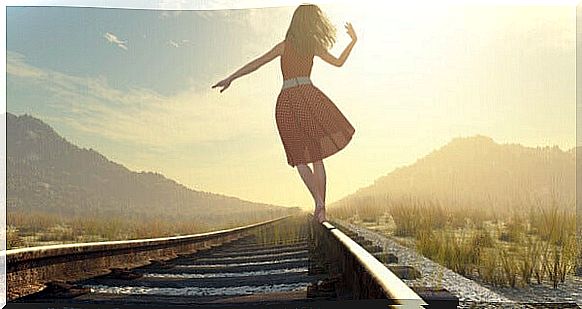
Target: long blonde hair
{"x": 310, "y": 30}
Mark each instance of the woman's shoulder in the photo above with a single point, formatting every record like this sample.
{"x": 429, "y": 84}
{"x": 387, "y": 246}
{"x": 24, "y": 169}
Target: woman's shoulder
{"x": 286, "y": 44}
{"x": 281, "y": 46}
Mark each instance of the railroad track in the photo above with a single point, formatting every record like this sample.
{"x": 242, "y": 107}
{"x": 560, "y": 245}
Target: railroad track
{"x": 289, "y": 262}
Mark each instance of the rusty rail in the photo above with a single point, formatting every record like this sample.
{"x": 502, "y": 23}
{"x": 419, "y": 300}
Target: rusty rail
{"x": 361, "y": 273}
{"x": 28, "y": 269}
{"x": 354, "y": 273}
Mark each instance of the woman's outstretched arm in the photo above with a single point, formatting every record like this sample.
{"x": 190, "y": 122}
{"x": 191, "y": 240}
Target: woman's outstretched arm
{"x": 338, "y": 62}
{"x": 277, "y": 50}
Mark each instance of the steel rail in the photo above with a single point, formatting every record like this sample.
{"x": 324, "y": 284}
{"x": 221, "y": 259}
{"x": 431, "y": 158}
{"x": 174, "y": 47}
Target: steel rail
{"x": 381, "y": 281}
{"x": 28, "y": 269}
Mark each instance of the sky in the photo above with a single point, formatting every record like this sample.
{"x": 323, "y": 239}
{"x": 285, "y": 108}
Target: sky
{"x": 135, "y": 85}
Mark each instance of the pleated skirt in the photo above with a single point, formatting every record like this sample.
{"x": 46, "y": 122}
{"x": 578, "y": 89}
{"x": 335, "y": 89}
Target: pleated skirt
{"x": 310, "y": 125}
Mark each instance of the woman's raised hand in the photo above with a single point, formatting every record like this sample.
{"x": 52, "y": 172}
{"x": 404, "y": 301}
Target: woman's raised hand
{"x": 223, "y": 83}
{"x": 351, "y": 31}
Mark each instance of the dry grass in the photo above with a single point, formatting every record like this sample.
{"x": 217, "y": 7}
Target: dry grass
{"x": 367, "y": 209}
{"x": 503, "y": 246}
{"x": 34, "y": 229}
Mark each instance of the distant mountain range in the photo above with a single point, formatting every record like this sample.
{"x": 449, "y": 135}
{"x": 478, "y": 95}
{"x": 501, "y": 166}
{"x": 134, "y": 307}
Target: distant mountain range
{"x": 476, "y": 169}
{"x": 46, "y": 173}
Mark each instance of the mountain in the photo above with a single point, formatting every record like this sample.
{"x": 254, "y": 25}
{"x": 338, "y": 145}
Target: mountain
{"x": 46, "y": 173}
{"x": 476, "y": 169}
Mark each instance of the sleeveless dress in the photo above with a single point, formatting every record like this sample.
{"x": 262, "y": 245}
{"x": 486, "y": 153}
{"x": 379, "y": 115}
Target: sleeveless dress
{"x": 311, "y": 127}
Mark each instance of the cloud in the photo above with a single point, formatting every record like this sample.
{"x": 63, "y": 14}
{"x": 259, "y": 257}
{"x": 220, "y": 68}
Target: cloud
{"x": 178, "y": 44}
{"x": 138, "y": 115}
{"x": 16, "y": 66}
{"x": 113, "y": 39}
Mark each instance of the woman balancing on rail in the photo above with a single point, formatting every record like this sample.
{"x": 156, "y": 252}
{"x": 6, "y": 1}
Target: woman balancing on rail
{"x": 311, "y": 127}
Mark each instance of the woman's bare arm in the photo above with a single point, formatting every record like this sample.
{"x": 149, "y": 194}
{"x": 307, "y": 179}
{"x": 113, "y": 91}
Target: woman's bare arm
{"x": 338, "y": 62}
{"x": 277, "y": 50}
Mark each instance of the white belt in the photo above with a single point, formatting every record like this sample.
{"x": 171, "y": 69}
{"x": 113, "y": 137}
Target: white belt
{"x": 292, "y": 82}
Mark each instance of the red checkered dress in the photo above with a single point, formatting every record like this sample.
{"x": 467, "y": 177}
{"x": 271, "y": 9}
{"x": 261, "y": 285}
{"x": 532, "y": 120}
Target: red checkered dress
{"x": 311, "y": 127}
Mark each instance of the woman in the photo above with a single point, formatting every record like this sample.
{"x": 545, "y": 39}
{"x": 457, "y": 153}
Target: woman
{"x": 311, "y": 127}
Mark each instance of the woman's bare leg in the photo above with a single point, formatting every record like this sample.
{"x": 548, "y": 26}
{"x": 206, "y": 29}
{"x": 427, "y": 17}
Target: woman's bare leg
{"x": 311, "y": 183}
{"x": 320, "y": 180}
